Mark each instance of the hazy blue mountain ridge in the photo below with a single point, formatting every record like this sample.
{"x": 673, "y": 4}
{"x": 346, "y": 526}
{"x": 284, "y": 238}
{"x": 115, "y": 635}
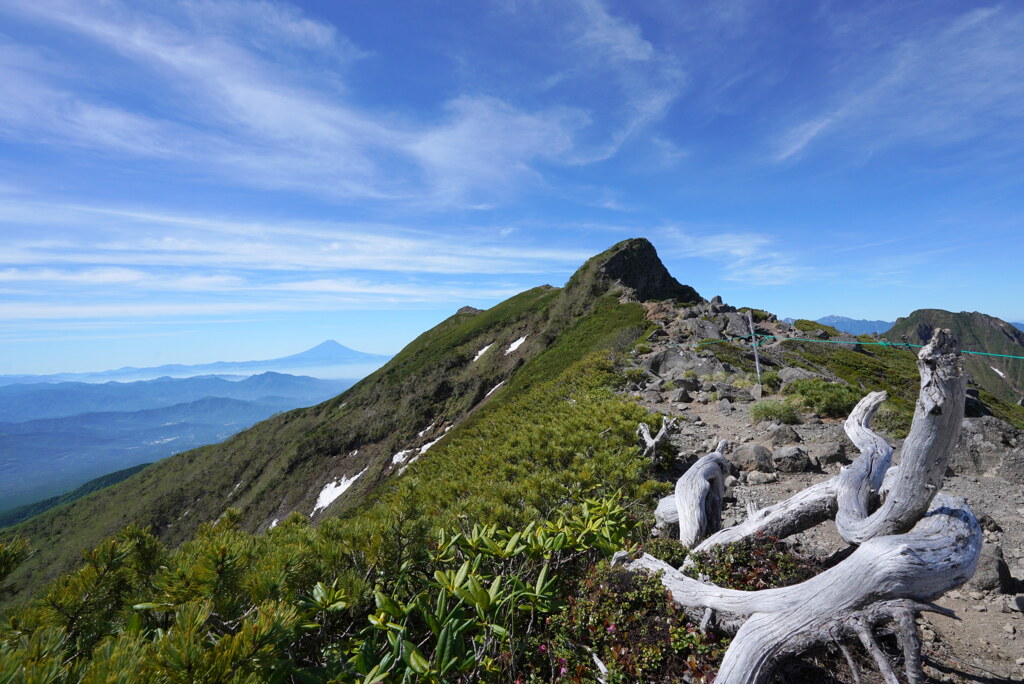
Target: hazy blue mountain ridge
{"x": 327, "y": 360}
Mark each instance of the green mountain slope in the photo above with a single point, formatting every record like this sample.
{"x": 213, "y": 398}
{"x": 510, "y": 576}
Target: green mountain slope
{"x": 1002, "y": 377}
{"x": 329, "y": 458}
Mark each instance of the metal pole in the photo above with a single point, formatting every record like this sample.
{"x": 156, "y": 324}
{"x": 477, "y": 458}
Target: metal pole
{"x": 753, "y": 340}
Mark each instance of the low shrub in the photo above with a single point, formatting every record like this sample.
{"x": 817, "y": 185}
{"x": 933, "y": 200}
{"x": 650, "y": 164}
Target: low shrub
{"x": 771, "y": 381}
{"x": 758, "y": 562}
{"x": 773, "y": 409}
{"x": 827, "y": 399}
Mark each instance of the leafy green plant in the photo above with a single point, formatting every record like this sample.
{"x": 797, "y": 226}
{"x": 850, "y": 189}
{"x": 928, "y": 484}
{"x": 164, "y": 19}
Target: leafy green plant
{"x": 771, "y": 381}
{"x": 758, "y": 562}
{"x": 773, "y": 409}
{"x": 829, "y": 399}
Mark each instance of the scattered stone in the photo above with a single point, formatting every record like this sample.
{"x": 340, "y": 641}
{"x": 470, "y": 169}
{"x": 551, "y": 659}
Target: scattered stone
{"x": 757, "y": 477}
{"x": 788, "y": 375}
{"x": 781, "y": 435}
{"x": 725, "y": 405}
{"x": 753, "y": 457}
{"x": 732, "y": 393}
{"x": 992, "y": 573}
{"x": 679, "y": 396}
{"x": 791, "y": 459}
{"x": 828, "y": 453}
{"x": 976, "y": 595}
{"x": 980, "y": 608}
{"x": 757, "y": 392}
{"x": 1009, "y": 629}
{"x": 928, "y": 636}
{"x": 652, "y": 396}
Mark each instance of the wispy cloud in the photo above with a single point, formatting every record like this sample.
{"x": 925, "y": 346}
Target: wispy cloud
{"x": 256, "y": 93}
{"x": 744, "y": 256}
{"x": 942, "y": 83}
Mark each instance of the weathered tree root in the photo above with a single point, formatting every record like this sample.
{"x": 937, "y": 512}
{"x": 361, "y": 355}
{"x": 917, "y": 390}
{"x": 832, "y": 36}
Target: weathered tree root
{"x": 915, "y": 543}
{"x": 650, "y": 444}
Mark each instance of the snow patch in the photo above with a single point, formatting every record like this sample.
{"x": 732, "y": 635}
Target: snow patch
{"x": 425, "y": 430}
{"x": 233, "y": 489}
{"x": 1001, "y": 374}
{"x": 332, "y": 490}
{"x": 483, "y": 351}
{"x": 273, "y": 523}
{"x": 515, "y": 345}
{"x": 401, "y": 456}
{"x": 423, "y": 449}
{"x": 494, "y": 388}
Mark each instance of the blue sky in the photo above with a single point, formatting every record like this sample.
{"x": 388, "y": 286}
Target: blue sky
{"x": 199, "y": 181}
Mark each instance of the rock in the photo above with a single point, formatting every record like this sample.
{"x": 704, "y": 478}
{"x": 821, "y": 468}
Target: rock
{"x": 1009, "y": 629}
{"x": 652, "y": 396}
{"x": 821, "y": 334}
{"x": 757, "y": 391}
{"x": 752, "y": 457}
{"x": 732, "y": 393}
{"x": 781, "y": 435}
{"x": 1016, "y": 603}
{"x": 679, "y": 396}
{"x": 703, "y": 398}
{"x": 736, "y": 325}
{"x": 788, "y": 375}
{"x": 1011, "y": 468}
{"x": 927, "y": 636}
{"x": 757, "y": 477}
{"x": 791, "y": 459}
{"x": 992, "y": 573}
{"x": 724, "y": 405}
{"x": 828, "y": 453}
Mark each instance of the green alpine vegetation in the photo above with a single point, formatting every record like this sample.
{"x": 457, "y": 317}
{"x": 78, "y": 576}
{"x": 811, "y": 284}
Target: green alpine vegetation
{"x": 999, "y": 376}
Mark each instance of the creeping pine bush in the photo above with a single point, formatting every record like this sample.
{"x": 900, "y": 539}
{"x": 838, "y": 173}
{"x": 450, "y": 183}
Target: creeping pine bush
{"x": 758, "y": 562}
{"x": 828, "y": 399}
{"x": 773, "y": 409}
{"x": 771, "y": 381}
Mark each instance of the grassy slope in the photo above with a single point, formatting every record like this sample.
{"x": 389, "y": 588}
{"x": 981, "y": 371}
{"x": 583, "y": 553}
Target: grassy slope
{"x": 977, "y": 332}
{"x": 16, "y": 515}
{"x": 279, "y": 465}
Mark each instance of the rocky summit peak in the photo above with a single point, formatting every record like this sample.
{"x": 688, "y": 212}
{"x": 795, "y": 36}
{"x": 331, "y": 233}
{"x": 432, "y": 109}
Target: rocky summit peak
{"x": 635, "y": 264}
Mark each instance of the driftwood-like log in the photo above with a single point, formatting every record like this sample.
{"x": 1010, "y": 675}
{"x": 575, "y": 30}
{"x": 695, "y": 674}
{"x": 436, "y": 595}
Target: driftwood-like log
{"x": 940, "y": 553}
{"x": 938, "y": 416}
{"x": 650, "y": 443}
{"x": 699, "y": 495}
{"x": 915, "y": 543}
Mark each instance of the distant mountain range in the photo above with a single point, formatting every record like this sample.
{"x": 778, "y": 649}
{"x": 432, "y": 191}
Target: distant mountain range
{"x": 326, "y": 360}
{"x": 56, "y": 436}
{"x": 854, "y": 326}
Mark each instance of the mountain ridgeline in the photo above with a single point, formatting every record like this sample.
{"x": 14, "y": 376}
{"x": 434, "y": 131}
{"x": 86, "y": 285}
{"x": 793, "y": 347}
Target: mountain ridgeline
{"x": 1000, "y": 375}
{"x": 432, "y": 522}
{"x": 329, "y": 458}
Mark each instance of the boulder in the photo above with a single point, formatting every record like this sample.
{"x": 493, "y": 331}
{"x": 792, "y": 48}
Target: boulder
{"x": 752, "y": 457}
{"x": 791, "y": 459}
{"x": 828, "y": 453}
{"x": 788, "y": 375}
{"x": 1011, "y": 468}
{"x": 652, "y": 396}
{"x": 732, "y": 393}
{"x": 757, "y": 477}
{"x": 992, "y": 573}
{"x": 757, "y": 391}
{"x": 781, "y": 435}
{"x": 679, "y": 396}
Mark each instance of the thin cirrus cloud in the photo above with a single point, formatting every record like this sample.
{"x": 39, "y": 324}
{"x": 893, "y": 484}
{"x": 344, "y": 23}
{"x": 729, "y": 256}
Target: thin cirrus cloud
{"x": 941, "y": 83}
{"x": 257, "y": 93}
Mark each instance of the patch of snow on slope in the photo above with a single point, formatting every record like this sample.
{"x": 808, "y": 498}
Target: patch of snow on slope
{"x": 425, "y": 430}
{"x": 332, "y": 490}
{"x": 273, "y": 523}
{"x": 1003, "y": 376}
{"x": 494, "y": 388}
{"x": 515, "y": 345}
{"x": 423, "y": 449}
{"x": 401, "y": 456}
{"x": 482, "y": 352}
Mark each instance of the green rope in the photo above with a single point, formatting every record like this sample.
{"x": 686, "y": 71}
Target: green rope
{"x": 759, "y": 339}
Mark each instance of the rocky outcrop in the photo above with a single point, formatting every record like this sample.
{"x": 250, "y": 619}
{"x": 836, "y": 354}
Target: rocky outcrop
{"x": 636, "y": 265}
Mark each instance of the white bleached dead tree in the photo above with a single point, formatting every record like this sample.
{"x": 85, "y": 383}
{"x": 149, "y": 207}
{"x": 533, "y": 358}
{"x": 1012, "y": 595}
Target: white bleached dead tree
{"x": 914, "y": 542}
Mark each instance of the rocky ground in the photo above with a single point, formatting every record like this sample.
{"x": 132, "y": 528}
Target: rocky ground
{"x": 985, "y": 643}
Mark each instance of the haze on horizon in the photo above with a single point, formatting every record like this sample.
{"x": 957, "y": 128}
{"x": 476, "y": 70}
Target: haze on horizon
{"x": 188, "y": 182}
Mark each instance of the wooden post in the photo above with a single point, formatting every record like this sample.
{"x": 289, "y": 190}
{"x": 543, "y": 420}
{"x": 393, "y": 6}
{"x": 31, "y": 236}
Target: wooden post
{"x": 753, "y": 340}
